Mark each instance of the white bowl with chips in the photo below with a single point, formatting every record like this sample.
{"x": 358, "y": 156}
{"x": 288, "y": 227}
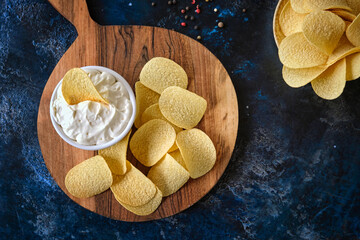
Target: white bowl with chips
{"x": 129, "y": 125}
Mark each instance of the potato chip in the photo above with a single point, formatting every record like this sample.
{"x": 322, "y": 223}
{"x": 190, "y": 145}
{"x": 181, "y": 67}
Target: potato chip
{"x": 153, "y": 112}
{"x": 290, "y": 21}
{"x": 145, "y": 209}
{"x": 347, "y": 24}
{"x": 353, "y": 67}
{"x": 77, "y": 87}
{"x": 313, "y": 5}
{"x": 324, "y": 30}
{"x": 298, "y": 77}
{"x": 115, "y": 156}
{"x": 278, "y": 34}
{"x": 168, "y": 175}
{"x": 160, "y": 73}
{"x": 297, "y": 5}
{"x": 296, "y": 52}
{"x": 354, "y": 5}
{"x": 197, "y": 150}
{"x": 177, "y": 156}
{"x": 331, "y": 83}
{"x": 344, "y": 48}
{"x": 173, "y": 148}
{"x": 344, "y": 14}
{"x": 152, "y": 141}
{"x": 133, "y": 188}
{"x": 181, "y": 107}
{"x": 145, "y": 97}
{"x": 89, "y": 178}
{"x": 353, "y": 32}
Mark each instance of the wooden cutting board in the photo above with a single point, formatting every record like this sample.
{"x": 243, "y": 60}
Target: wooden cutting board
{"x": 126, "y": 49}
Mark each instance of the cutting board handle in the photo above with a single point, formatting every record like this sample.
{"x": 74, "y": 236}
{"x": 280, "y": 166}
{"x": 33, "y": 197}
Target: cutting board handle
{"x": 75, "y": 11}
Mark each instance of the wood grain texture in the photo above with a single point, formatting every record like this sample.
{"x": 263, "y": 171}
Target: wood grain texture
{"x": 126, "y": 49}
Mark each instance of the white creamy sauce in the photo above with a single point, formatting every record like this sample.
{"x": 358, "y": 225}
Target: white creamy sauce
{"x": 93, "y": 123}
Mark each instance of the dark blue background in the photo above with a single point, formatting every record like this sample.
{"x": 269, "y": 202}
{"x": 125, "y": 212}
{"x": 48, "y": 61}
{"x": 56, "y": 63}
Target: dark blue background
{"x": 295, "y": 171}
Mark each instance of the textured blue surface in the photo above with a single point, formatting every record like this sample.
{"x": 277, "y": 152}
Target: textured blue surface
{"x": 295, "y": 172}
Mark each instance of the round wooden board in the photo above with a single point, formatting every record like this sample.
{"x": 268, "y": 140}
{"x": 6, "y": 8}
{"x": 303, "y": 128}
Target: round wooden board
{"x": 126, "y": 49}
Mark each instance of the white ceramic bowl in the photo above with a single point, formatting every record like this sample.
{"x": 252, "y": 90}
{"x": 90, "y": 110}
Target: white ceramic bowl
{"x": 74, "y": 143}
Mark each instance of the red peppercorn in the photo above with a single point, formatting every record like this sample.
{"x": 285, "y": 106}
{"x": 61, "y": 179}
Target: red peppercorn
{"x": 183, "y": 24}
{"x": 182, "y": 10}
{"x": 193, "y": 2}
{"x": 197, "y": 9}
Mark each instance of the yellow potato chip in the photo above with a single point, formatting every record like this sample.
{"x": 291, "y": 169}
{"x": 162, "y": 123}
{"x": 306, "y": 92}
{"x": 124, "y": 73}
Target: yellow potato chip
{"x": 133, "y": 188}
{"x": 344, "y": 14}
{"x": 145, "y": 209}
{"x": 278, "y": 34}
{"x": 89, "y": 178}
{"x": 153, "y": 112}
{"x": 77, "y": 87}
{"x": 160, "y": 73}
{"x": 173, "y": 148}
{"x": 353, "y": 32}
{"x": 347, "y": 23}
{"x": 177, "y": 156}
{"x": 197, "y": 150}
{"x": 152, "y": 141}
{"x": 168, "y": 175}
{"x": 145, "y": 97}
{"x": 115, "y": 156}
{"x": 323, "y": 29}
{"x": 344, "y": 48}
{"x": 296, "y": 52}
{"x": 298, "y": 77}
{"x": 182, "y": 107}
{"x": 298, "y": 6}
{"x": 290, "y": 21}
{"x": 331, "y": 83}
{"x": 354, "y": 5}
{"x": 353, "y": 67}
{"x": 313, "y": 5}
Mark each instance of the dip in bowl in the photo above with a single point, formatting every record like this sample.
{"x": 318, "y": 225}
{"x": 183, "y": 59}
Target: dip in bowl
{"x": 91, "y": 125}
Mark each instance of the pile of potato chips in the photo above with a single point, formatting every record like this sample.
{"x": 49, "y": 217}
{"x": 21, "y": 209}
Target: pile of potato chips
{"x": 164, "y": 109}
{"x": 319, "y": 42}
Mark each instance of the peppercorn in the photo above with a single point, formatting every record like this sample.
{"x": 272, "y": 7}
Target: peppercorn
{"x": 220, "y": 24}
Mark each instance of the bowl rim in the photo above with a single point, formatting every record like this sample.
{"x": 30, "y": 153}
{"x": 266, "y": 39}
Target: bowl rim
{"x": 72, "y": 142}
